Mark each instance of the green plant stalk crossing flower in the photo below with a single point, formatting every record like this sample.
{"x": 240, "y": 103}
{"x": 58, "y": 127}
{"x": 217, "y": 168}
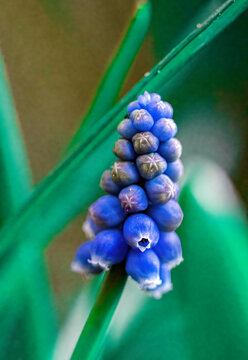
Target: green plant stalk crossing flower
{"x": 91, "y": 340}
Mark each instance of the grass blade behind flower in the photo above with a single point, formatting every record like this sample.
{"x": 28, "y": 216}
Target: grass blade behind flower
{"x": 15, "y": 188}
{"x": 114, "y": 77}
{"x": 15, "y": 175}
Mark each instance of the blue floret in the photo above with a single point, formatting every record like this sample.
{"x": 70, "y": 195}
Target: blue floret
{"x": 108, "y": 248}
{"x": 107, "y": 183}
{"x": 168, "y": 217}
{"x": 142, "y": 120}
{"x": 169, "y": 249}
{"x": 133, "y": 199}
{"x": 81, "y": 262}
{"x": 140, "y": 232}
{"x": 147, "y": 99}
{"x": 160, "y": 110}
{"x": 160, "y": 189}
{"x": 165, "y": 286}
{"x": 145, "y": 142}
{"x": 175, "y": 170}
{"x": 133, "y": 106}
{"x": 124, "y": 150}
{"x": 150, "y": 165}
{"x": 107, "y": 211}
{"x": 164, "y": 129}
{"x": 126, "y": 129}
{"x": 90, "y": 228}
{"x": 125, "y": 173}
{"x": 144, "y": 268}
{"x": 171, "y": 150}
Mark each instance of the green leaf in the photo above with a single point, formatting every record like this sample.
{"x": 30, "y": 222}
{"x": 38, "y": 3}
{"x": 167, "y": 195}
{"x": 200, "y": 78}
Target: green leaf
{"x": 117, "y": 71}
{"x": 73, "y": 185}
{"x": 15, "y": 188}
{"x": 15, "y": 178}
{"x": 41, "y": 322}
{"x": 206, "y": 314}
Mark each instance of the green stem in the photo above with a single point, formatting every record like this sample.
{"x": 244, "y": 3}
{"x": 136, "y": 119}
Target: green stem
{"x": 91, "y": 340}
{"x": 116, "y": 73}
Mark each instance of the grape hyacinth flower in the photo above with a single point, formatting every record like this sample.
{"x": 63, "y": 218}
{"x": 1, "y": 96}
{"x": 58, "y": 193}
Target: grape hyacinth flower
{"x": 150, "y": 165}
{"x": 145, "y": 142}
{"x": 136, "y": 221}
{"x": 133, "y": 199}
{"x": 140, "y": 232}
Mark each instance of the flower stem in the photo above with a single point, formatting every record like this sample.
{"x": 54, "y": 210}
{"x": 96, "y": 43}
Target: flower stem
{"x": 90, "y": 342}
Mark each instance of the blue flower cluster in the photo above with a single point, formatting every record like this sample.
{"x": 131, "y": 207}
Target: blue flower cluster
{"x": 137, "y": 220}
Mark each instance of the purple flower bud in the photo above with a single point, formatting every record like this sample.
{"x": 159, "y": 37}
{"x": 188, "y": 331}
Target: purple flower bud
{"x": 142, "y": 120}
{"x": 124, "y": 173}
{"x": 171, "y": 150}
{"x": 150, "y": 165}
{"x": 123, "y": 149}
{"x": 140, "y": 232}
{"x": 133, "y": 199}
{"x": 166, "y": 284}
{"x": 168, "y": 216}
{"x": 107, "y": 211}
{"x": 164, "y": 129}
{"x": 160, "y": 110}
{"x": 174, "y": 170}
{"x": 108, "y": 248}
{"x": 126, "y": 129}
{"x": 146, "y": 99}
{"x": 90, "y": 228}
{"x": 107, "y": 183}
{"x": 133, "y": 106}
{"x": 145, "y": 142}
{"x": 160, "y": 189}
{"x": 81, "y": 262}
{"x": 144, "y": 268}
{"x": 169, "y": 249}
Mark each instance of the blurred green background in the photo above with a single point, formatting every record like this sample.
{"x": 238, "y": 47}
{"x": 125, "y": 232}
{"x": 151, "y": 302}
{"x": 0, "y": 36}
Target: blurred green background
{"x": 55, "y": 53}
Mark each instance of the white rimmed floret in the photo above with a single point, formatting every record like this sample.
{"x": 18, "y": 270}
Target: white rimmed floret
{"x": 98, "y": 262}
{"x": 173, "y": 263}
{"x": 150, "y": 283}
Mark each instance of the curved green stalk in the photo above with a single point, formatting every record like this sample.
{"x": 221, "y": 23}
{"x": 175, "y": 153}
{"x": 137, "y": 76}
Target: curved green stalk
{"x": 72, "y": 186}
{"x": 90, "y": 342}
{"x": 116, "y": 73}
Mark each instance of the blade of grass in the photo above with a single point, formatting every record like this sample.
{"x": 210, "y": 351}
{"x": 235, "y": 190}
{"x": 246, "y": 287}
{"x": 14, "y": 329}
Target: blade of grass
{"x": 41, "y": 326}
{"x": 15, "y": 188}
{"x": 72, "y": 186}
{"x": 113, "y": 79}
{"x": 15, "y": 176}
{"x": 91, "y": 340}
